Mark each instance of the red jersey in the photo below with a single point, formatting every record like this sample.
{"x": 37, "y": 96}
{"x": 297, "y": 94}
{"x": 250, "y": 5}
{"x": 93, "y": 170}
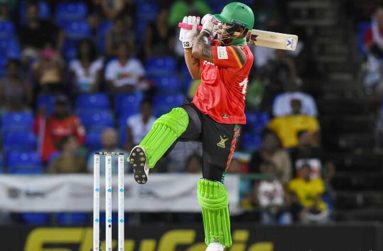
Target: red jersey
{"x": 55, "y": 130}
{"x": 221, "y": 94}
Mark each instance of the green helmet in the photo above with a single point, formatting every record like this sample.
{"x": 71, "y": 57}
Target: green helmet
{"x": 237, "y": 13}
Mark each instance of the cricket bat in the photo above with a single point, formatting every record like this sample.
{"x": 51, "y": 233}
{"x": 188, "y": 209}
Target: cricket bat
{"x": 267, "y": 39}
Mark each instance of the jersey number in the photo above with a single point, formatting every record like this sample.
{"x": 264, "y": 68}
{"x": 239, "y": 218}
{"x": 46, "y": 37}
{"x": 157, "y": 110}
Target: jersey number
{"x": 243, "y": 84}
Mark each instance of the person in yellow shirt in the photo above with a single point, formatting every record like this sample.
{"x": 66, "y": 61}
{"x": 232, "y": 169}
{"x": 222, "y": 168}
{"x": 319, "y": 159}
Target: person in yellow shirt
{"x": 308, "y": 193}
{"x": 287, "y": 127}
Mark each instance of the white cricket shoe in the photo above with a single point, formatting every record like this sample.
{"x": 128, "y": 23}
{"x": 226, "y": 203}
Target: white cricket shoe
{"x": 137, "y": 159}
{"x": 215, "y": 246}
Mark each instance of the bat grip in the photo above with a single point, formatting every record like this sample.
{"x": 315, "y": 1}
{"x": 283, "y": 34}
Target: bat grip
{"x": 188, "y": 26}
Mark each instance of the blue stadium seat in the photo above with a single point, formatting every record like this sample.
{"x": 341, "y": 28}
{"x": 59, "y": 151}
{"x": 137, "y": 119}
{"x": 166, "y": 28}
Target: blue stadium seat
{"x": 256, "y": 121}
{"x": 167, "y": 85}
{"x": 93, "y": 140}
{"x": 163, "y": 104}
{"x": 35, "y": 218}
{"x": 24, "y": 163}
{"x": 17, "y": 121}
{"x": 147, "y": 11}
{"x": 72, "y": 219}
{"x": 139, "y": 29}
{"x": 250, "y": 142}
{"x": 92, "y": 101}
{"x": 7, "y": 30}
{"x": 160, "y": 66}
{"x": 97, "y": 119}
{"x": 127, "y": 104}
{"x": 19, "y": 140}
{"x": 44, "y": 11}
{"x": 102, "y": 29}
{"x": 10, "y": 48}
{"x": 46, "y": 101}
{"x": 123, "y": 134}
{"x": 76, "y": 30}
{"x": 72, "y": 11}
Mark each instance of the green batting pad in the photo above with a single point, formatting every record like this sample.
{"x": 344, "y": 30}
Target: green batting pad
{"x": 164, "y": 133}
{"x": 213, "y": 200}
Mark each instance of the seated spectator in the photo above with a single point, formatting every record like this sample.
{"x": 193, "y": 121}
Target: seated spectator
{"x": 60, "y": 124}
{"x": 269, "y": 196}
{"x": 86, "y": 68}
{"x": 282, "y": 107}
{"x": 125, "y": 74}
{"x": 287, "y": 127}
{"x": 159, "y": 39}
{"x": 48, "y": 71}
{"x": 181, "y": 8}
{"x": 121, "y": 32}
{"x": 109, "y": 141}
{"x": 139, "y": 125}
{"x": 373, "y": 42}
{"x": 69, "y": 159}
{"x": 15, "y": 91}
{"x": 308, "y": 193}
{"x": 271, "y": 151}
{"x": 36, "y": 34}
{"x": 308, "y": 152}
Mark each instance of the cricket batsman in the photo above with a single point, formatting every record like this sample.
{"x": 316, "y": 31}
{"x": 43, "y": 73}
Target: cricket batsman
{"x": 220, "y": 57}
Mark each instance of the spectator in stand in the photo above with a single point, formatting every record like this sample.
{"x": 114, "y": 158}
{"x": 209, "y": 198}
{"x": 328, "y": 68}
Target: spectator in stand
{"x": 271, "y": 151}
{"x": 122, "y": 32}
{"x": 181, "y": 8}
{"x": 60, "y": 124}
{"x": 138, "y": 125}
{"x": 48, "y": 72}
{"x": 70, "y": 159}
{"x": 15, "y": 91}
{"x": 373, "y": 42}
{"x": 308, "y": 152}
{"x": 86, "y": 68}
{"x": 308, "y": 193}
{"x": 36, "y": 34}
{"x": 282, "y": 107}
{"x": 159, "y": 38}
{"x": 109, "y": 141}
{"x": 268, "y": 194}
{"x": 287, "y": 127}
{"x": 125, "y": 74}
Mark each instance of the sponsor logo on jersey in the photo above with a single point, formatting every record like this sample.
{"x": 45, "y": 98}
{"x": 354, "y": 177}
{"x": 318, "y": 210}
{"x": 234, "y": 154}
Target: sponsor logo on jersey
{"x": 222, "y": 52}
{"x": 222, "y": 142}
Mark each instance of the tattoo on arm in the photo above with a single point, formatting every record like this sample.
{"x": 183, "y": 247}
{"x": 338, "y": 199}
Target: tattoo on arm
{"x": 202, "y": 48}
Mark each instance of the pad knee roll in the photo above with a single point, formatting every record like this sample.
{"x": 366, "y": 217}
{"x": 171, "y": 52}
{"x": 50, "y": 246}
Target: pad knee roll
{"x": 165, "y": 131}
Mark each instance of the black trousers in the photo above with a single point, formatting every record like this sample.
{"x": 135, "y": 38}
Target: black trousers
{"x": 218, "y": 142}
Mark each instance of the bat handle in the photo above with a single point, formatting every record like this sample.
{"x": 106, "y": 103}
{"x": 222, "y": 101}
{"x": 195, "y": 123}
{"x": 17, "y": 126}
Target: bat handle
{"x": 188, "y": 26}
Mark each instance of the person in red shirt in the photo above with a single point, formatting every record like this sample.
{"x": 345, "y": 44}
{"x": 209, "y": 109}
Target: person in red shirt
{"x": 220, "y": 57}
{"x": 60, "y": 124}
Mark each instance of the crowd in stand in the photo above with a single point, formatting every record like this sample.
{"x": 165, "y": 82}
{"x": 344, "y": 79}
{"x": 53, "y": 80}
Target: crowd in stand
{"x": 85, "y": 76}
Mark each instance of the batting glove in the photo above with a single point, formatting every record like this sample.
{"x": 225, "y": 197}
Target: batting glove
{"x": 186, "y": 35}
{"x": 207, "y": 23}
